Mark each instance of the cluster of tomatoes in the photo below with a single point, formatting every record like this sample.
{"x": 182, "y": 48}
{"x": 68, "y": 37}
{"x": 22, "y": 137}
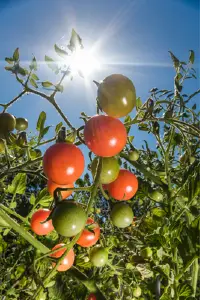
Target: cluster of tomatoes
{"x": 63, "y": 164}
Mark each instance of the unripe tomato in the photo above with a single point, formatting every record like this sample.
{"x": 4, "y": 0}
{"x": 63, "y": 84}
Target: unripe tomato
{"x": 21, "y": 124}
{"x": 7, "y": 122}
{"x": 133, "y": 155}
{"x": 116, "y": 95}
{"x": 157, "y": 196}
{"x": 137, "y": 292}
{"x": 92, "y": 297}
{"x": 109, "y": 171}
{"x": 98, "y": 256}
{"x": 52, "y": 186}
{"x": 88, "y": 238}
{"x": 124, "y": 187}
{"x": 67, "y": 261}
{"x": 40, "y": 216}
{"x": 68, "y": 218}
{"x": 192, "y": 159}
{"x": 146, "y": 252}
{"x": 105, "y": 136}
{"x": 121, "y": 215}
{"x": 63, "y": 163}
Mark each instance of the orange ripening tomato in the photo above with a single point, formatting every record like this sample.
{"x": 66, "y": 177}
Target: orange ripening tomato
{"x": 124, "y": 187}
{"x": 40, "y": 216}
{"x": 88, "y": 238}
{"x": 52, "y": 186}
{"x": 63, "y": 163}
{"x": 67, "y": 261}
{"x": 105, "y": 136}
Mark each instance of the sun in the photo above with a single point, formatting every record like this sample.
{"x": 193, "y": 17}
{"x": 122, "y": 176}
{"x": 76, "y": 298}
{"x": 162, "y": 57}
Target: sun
{"x": 83, "y": 62}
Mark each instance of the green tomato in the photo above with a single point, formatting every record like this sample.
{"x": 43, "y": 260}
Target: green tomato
{"x": 99, "y": 256}
{"x": 137, "y": 292}
{"x": 21, "y": 124}
{"x": 157, "y": 196}
{"x": 68, "y": 218}
{"x": 133, "y": 155}
{"x": 146, "y": 252}
{"x": 110, "y": 169}
{"x": 192, "y": 159}
{"x": 7, "y": 122}
{"x": 121, "y": 215}
{"x": 116, "y": 95}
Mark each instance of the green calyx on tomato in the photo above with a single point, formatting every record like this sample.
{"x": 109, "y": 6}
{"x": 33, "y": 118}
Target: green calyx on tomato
{"x": 109, "y": 171}
{"x": 68, "y": 218}
{"x": 7, "y": 122}
{"x": 137, "y": 292}
{"x": 134, "y": 155}
{"x": 121, "y": 215}
{"x": 21, "y": 124}
{"x": 146, "y": 252}
{"x": 116, "y": 95}
{"x": 98, "y": 256}
{"x": 157, "y": 196}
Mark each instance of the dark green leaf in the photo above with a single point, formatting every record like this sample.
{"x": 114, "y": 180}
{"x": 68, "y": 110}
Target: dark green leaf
{"x": 16, "y": 55}
{"x": 175, "y": 60}
{"x": 60, "y": 51}
{"x": 22, "y": 71}
{"x": 9, "y": 60}
{"x": 18, "y": 185}
{"x": 33, "y": 65}
{"x": 143, "y": 127}
{"x": 44, "y": 131}
{"x": 33, "y": 83}
{"x": 9, "y": 69}
{"x": 46, "y": 84}
{"x": 194, "y": 94}
{"x": 41, "y": 121}
{"x": 191, "y": 57}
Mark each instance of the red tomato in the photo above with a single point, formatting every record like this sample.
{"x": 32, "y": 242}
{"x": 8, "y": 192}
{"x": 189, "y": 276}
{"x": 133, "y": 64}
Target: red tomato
{"x": 105, "y": 136}
{"x": 63, "y": 163}
{"x": 88, "y": 238}
{"x": 124, "y": 187}
{"x": 52, "y": 186}
{"x": 40, "y": 216}
{"x": 68, "y": 260}
{"x": 92, "y": 297}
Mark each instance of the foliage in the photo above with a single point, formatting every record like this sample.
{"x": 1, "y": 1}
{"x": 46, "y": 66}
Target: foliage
{"x": 158, "y": 252}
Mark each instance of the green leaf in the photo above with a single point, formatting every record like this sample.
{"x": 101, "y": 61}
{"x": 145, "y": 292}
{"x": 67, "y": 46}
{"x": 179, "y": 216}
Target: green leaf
{"x": 13, "y": 205}
{"x": 22, "y": 71}
{"x": 191, "y": 57}
{"x": 194, "y": 94}
{"x": 75, "y": 41}
{"x": 185, "y": 290}
{"x": 44, "y": 198}
{"x": 18, "y": 185}
{"x": 175, "y": 60}
{"x": 9, "y": 69}
{"x": 165, "y": 296}
{"x": 32, "y": 199}
{"x": 51, "y": 64}
{"x": 46, "y": 84}
{"x": 16, "y": 55}
{"x": 58, "y": 127}
{"x": 9, "y": 60}
{"x": 33, "y": 83}
{"x": 33, "y": 65}
{"x": 138, "y": 103}
{"x": 41, "y": 121}
{"x": 34, "y": 76}
{"x": 129, "y": 266}
{"x": 143, "y": 127}
{"x": 165, "y": 269}
{"x": 44, "y": 131}
{"x": 50, "y": 284}
{"x": 60, "y": 51}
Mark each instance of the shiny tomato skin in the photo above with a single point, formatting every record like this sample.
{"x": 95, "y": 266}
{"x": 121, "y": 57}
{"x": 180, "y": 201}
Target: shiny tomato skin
{"x": 68, "y": 260}
{"x": 88, "y": 238}
{"x": 124, "y": 187}
{"x": 105, "y": 136}
{"x": 40, "y": 216}
{"x": 51, "y": 186}
{"x": 92, "y": 297}
{"x": 63, "y": 163}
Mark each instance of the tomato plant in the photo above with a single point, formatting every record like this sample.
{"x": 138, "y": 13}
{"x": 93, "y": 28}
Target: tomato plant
{"x": 90, "y": 237}
{"x": 63, "y": 163}
{"x": 105, "y": 136}
{"x": 124, "y": 187}
{"x": 38, "y": 224}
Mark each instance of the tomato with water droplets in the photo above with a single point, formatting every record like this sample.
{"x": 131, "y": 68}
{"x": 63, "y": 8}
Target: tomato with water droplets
{"x": 105, "y": 136}
{"x": 124, "y": 187}
{"x": 41, "y": 228}
{"x": 63, "y": 163}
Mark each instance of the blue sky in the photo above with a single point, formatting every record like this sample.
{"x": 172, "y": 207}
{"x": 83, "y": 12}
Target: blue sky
{"x": 131, "y": 37}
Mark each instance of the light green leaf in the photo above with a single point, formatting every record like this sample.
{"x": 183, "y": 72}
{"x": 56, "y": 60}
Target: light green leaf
{"x": 75, "y": 41}
{"x": 32, "y": 199}
{"x": 165, "y": 269}
{"x": 33, "y": 83}
{"x": 9, "y": 60}
{"x": 13, "y": 205}
{"x": 34, "y": 76}
{"x": 60, "y": 88}
{"x": 138, "y": 103}
{"x": 51, "y": 63}
{"x": 58, "y": 127}
{"x": 191, "y": 57}
{"x": 50, "y": 284}
{"x": 46, "y": 84}
{"x": 33, "y": 65}
{"x": 41, "y": 121}
{"x": 18, "y": 185}
{"x": 175, "y": 60}
{"x": 44, "y": 198}
{"x": 16, "y": 55}
{"x": 185, "y": 290}
{"x": 60, "y": 51}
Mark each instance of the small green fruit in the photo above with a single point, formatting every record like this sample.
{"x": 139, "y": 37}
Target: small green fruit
{"x": 134, "y": 155}
{"x": 137, "y": 292}
{"x": 146, "y": 252}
